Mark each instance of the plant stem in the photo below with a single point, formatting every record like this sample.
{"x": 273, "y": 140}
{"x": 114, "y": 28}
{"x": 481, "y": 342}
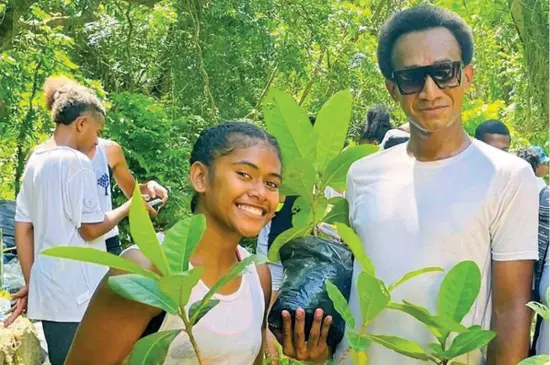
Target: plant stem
{"x": 346, "y": 352}
{"x": 189, "y": 331}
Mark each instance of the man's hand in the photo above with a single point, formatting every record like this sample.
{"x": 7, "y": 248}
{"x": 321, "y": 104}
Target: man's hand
{"x": 19, "y": 307}
{"x": 315, "y": 350}
{"x": 154, "y": 190}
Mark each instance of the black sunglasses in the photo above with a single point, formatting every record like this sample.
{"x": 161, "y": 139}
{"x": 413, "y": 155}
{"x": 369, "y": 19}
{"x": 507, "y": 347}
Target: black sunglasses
{"x": 446, "y": 75}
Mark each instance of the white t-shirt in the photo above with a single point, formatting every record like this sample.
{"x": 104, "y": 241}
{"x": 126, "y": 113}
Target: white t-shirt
{"x": 101, "y": 167}
{"x": 57, "y": 196}
{"x": 480, "y": 205}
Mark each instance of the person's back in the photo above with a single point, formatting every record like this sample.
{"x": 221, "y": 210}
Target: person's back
{"x": 51, "y": 199}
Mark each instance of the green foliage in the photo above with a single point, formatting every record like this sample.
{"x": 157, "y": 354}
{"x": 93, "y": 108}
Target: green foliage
{"x": 458, "y": 291}
{"x": 340, "y": 304}
{"x": 181, "y": 240}
{"x": 150, "y": 349}
{"x": 93, "y": 256}
{"x": 313, "y": 158}
{"x": 143, "y": 290}
{"x": 412, "y": 275}
{"x": 354, "y": 243}
{"x": 536, "y": 360}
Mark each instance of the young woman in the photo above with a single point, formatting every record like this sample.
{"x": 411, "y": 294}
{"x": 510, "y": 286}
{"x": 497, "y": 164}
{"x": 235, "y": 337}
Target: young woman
{"x": 236, "y": 173}
{"x": 58, "y": 206}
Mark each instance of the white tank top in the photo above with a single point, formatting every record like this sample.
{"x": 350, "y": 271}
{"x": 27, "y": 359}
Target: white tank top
{"x": 101, "y": 168}
{"x": 231, "y": 333}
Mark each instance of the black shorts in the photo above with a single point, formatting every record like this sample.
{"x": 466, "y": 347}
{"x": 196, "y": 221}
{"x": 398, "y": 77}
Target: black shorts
{"x": 113, "y": 245}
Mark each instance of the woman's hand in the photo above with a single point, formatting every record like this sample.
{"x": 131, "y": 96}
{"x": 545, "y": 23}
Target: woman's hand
{"x": 315, "y": 350}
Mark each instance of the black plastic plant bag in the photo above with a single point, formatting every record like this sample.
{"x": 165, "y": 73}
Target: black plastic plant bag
{"x": 308, "y": 262}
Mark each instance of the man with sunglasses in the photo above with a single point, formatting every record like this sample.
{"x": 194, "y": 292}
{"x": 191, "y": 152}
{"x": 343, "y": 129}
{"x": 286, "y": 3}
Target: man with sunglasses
{"x": 443, "y": 198}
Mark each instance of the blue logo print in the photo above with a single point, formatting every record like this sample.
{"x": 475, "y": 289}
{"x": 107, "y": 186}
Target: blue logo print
{"x": 103, "y": 181}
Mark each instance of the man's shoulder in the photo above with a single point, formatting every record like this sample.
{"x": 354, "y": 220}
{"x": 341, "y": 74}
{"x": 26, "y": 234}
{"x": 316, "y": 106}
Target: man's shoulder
{"x": 504, "y": 164}
{"x": 382, "y": 159}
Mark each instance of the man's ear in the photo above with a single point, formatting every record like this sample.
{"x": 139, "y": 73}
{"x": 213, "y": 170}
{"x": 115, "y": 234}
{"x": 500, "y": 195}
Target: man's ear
{"x": 80, "y": 123}
{"x": 198, "y": 177}
{"x": 468, "y": 76}
{"x": 392, "y": 89}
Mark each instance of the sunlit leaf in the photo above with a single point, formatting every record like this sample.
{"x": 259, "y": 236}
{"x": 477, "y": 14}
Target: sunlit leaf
{"x": 285, "y": 237}
{"x": 353, "y": 241}
{"x": 178, "y": 286}
{"x": 340, "y": 304}
{"x": 287, "y": 122}
{"x": 331, "y": 127}
{"x": 94, "y": 256}
{"x": 181, "y": 240}
{"x": 143, "y": 290}
{"x": 373, "y": 296}
{"x": 336, "y": 171}
{"x": 412, "y": 275}
{"x": 459, "y": 290}
{"x": 144, "y": 234}
{"x": 152, "y": 350}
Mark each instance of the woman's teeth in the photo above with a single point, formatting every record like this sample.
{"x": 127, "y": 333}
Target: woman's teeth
{"x": 252, "y": 210}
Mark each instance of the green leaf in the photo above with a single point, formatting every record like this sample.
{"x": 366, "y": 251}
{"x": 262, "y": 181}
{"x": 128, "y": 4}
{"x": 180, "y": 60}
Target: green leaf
{"x": 94, "y": 256}
{"x": 199, "y": 309}
{"x": 236, "y": 270}
{"x": 152, "y": 350}
{"x": 302, "y": 213}
{"x": 439, "y": 326}
{"x": 144, "y": 234}
{"x": 181, "y": 240}
{"x": 299, "y": 177}
{"x": 537, "y": 360}
{"x": 178, "y": 286}
{"x": 340, "y": 303}
{"x": 400, "y": 345}
{"x": 143, "y": 290}
{"x": 373, "y": 296}
{"x": 351, "y": 239}
{"x": 283, "y": 238}
{"x": 412, "y": 275}
{"x": 540, "y": 309}
{"x": 331, "y": 127}
{"x": 339, "y": 213}
{"x": 357, "y": 342}
{"x": 337, "y": 170}
{"x": 470, "y": 340}
{"x": 290, "y": 125}
{"x": 459, "y": 290}
{"x": 437, "y": 350}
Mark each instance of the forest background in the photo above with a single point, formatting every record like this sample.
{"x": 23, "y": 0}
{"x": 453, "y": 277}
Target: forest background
{"x": 168, "y": 69}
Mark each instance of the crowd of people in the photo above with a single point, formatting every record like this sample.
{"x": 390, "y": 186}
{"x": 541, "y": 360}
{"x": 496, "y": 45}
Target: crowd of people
{"x": 432, "y": 196}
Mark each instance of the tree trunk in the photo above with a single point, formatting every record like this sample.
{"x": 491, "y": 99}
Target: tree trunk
{"x": 531, "y": 20}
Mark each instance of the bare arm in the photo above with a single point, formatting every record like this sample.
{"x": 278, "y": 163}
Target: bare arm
{"x": 511, "y": 319}
{"x": 92, "y": 231}
{"x": 121, "y": 172}
{"x": 265, "y": 280}
{"x": 112, "y": 324}
{"x": 24, "y": 241}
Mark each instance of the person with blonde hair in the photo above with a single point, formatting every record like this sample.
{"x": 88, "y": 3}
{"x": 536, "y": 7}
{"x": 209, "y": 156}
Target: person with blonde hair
{"x": 58, "y": 206}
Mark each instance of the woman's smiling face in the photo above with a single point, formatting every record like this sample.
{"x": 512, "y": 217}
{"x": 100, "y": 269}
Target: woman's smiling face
{"x": 242, "y": 189}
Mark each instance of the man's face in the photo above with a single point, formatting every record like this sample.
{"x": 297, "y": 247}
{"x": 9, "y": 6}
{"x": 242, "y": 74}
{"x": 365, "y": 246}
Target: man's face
{"x": 89, "y": 127}
{"x": 542, "y": 170}
{"x": 500, "y": 141}
{"x": 432, "y": 109}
